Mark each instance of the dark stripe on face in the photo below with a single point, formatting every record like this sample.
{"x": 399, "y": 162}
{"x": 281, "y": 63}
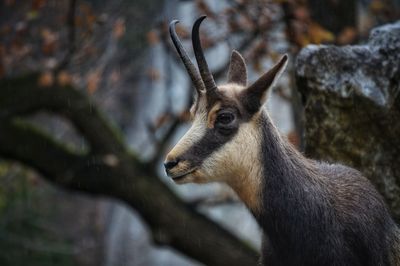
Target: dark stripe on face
{"x": 213, "y": 140}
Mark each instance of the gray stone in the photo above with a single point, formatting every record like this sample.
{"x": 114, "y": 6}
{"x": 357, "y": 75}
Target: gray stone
{"x": 351, "y": 98}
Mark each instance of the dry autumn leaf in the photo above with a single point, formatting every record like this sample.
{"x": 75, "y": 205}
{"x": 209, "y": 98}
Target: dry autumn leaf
{"x": 245, "y": 23}
{"x": 91, "y": 19}
{"x": 257, "y": 52}
{"x": 182, "y": 31}
{"x": 302, "y": 13}
{"x": 233, "y": 25}
{"x": 63, "y": 78}
{"x": 152, "y": 37}
{"x": 302, "y": 39}
{"x": 37, "y": 4}
{"x": 50, "y": 40}
{"x": 206, "y": 42}
{"x": 119, "y": 28}
{"x": 86, "y": 17}
{"x": 93, "y": 80}
{"x": 347, "y": 35}
{"x": 317, "y": 34}
{"x": 377, "y": 5}
{"x": 240, "y": 2}
{"x": 205, "y": 9}
{"x": 161, "y": 120}
{"x": 257, "y": 65}
{"x": 184, "y": 116}
{"x": 46, "y": 79}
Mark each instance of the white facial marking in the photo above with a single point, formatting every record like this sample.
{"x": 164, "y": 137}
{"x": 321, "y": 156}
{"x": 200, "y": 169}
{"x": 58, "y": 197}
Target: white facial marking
{"x": 237, "y": 163}
{"x": 194, "y": 134}
{"x": 236, "y": 157}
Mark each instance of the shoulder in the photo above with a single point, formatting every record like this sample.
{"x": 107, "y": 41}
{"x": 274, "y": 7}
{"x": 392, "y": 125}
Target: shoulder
{"x": 337, "y": 170}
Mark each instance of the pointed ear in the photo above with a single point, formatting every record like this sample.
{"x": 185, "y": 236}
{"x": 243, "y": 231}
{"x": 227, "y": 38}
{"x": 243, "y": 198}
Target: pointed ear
{"x": 255, "y": 95}
{"x": 237, "y": 69}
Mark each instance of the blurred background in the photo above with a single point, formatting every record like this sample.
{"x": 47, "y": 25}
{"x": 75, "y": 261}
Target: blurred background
{"x": 118, "y": 55}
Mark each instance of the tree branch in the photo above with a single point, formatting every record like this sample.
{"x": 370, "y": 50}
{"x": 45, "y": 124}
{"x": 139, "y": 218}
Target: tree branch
{"x": 17, "y": 99}
{"x": 71, "y": 36}
{"x": 171, "y": 220}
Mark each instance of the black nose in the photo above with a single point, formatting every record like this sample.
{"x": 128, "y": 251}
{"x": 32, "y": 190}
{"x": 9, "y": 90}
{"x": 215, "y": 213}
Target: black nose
{"x": 170, "y": 164}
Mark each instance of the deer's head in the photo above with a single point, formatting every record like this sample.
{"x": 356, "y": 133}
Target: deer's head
{"x": 224, "y": 139}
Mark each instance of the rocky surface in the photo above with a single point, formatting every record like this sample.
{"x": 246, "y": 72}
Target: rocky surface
{"x": 351, "y": 96}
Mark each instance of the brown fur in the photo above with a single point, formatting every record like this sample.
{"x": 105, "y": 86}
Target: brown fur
{"x": 312, "y": 213}
{"x": 212, "y": 114}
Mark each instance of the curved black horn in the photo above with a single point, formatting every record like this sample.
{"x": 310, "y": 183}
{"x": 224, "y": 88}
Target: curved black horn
{"x": 190, "y": 67}
{"x": 205, "y": 73}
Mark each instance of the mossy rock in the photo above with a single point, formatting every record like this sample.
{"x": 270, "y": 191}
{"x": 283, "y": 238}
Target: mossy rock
{"x": 351, "y": 98}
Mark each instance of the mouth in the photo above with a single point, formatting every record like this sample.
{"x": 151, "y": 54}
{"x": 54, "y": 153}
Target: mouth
{"x": 181, "y": 177}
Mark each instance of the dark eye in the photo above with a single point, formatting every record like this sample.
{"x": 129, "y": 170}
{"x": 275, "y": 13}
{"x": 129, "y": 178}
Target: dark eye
{"x": 225, "y": 118}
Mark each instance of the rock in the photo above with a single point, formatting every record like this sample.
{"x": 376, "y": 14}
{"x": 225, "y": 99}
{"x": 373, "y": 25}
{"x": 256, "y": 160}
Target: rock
{"x": 351, "y": 98}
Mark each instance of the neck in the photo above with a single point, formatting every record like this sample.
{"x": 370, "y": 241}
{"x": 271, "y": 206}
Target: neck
{"x": 248, "y": 187}
{"x": 289, "y": 188}
{"x": 245, "y": 170}
{"x": 273, "y": 162}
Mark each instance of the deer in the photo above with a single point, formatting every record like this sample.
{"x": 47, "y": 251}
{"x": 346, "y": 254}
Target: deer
{"x": 310, "y": 212}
